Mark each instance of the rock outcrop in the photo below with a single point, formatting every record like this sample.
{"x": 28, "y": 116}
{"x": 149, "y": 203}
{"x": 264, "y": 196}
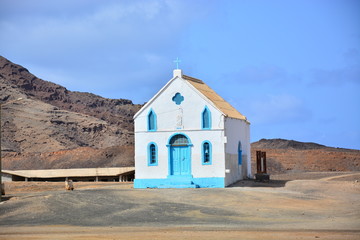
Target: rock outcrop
{"x": 49, "y": 118}
{"x": 52, "y": 127}
{"x": 293, "y": 156}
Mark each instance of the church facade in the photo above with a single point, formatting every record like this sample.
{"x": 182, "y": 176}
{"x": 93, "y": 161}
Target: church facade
{"x": 187, "y": 136}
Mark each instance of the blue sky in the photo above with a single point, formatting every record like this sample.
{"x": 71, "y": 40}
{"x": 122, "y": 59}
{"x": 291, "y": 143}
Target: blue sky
{"x": 291, "y": 66}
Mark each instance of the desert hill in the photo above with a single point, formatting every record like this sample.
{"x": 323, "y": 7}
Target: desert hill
{"x": 52, "y": 127}
{"x": 50, "y": 118}
{"x": 279, "y": 143}
{"x": 292, "y": 156}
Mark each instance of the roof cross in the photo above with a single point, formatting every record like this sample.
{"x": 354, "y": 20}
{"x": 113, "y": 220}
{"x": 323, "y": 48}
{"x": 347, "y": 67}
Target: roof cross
{"x": 177, "y": 61}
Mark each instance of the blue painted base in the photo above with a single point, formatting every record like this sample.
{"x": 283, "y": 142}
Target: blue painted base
{"x": 180, "y": 182}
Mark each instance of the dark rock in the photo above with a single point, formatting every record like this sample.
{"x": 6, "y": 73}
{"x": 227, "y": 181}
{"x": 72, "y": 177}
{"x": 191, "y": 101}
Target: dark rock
{"x": 51, "y": 118}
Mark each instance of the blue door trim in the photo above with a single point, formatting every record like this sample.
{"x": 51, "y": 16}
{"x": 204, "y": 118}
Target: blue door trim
{"x": 179, "y": 133}
{"x": 188, "y": 153}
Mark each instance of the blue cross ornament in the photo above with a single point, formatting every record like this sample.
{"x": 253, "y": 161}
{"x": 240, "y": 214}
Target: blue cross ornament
{"x": 177, "y": 61}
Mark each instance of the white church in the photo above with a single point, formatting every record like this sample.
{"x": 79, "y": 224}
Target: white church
{"x": 187, "y": 136}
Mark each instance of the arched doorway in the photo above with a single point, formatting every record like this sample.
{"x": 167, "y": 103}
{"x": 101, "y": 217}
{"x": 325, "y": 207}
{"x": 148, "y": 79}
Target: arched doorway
{"x": 179, "y": 156}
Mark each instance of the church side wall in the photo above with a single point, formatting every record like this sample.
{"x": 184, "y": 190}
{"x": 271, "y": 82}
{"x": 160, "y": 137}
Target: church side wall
{"x": 237, "y": 130}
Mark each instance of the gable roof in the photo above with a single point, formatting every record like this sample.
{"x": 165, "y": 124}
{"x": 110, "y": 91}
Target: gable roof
{"x": 222, "y": 105}
{"x": 215, "y": 98}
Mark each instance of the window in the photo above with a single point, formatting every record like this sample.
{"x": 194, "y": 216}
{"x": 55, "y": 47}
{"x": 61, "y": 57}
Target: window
{"x": 152, "y": 154}
{"x": 179, "y": 140}
{"x": 178, "y": 98}
{"x": 206, "y": 153}
{"x": 151, "y": 118}
{"x": 206, "y": 119}
{"x": 239, "y": 153}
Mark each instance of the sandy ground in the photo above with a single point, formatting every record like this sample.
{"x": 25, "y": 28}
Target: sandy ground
{"x": 318, "y": 206}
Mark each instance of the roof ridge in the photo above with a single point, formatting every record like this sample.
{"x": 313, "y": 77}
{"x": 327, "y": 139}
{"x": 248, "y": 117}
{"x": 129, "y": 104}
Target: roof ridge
{"x": 224, "y": 106}
{"x": 192, "y": 79}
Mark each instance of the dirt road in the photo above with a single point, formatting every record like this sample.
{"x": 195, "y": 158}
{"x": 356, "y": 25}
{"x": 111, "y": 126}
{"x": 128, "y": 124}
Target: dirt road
{"x": 299, "y": 209}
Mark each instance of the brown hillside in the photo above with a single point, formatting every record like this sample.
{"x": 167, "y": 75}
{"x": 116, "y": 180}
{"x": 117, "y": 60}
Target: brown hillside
{"x": 279, "y": 143}
{"x": 118, "y": 112}
{"x": 50, "y": 118}
{"x": 52, "y": 127}
{"x": 117, "y": 156}
{"x": 292, "y": 156}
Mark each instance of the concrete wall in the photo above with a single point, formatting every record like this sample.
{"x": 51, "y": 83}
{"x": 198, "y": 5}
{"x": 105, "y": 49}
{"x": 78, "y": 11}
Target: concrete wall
{"x": 216, "y": 169}
{"x": 185, "y": 118}
{"x": 237, "y": 130}
{"x": 172, "y": 117}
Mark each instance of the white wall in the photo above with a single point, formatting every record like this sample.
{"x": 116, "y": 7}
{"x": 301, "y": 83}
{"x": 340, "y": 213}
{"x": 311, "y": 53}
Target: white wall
{"x": 237, "y": 130}
{"x": 184, "y": 118}
{"x": 168, "y": 113}
{"x": 216, "y": 169}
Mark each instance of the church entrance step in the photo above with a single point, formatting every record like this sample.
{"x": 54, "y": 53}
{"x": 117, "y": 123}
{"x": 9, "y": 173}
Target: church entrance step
{"x": 179, "y": 182}
{"x": 179, "y": 186}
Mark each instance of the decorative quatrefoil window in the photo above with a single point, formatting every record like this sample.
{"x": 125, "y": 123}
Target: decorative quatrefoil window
{"x": 178, "y": 98}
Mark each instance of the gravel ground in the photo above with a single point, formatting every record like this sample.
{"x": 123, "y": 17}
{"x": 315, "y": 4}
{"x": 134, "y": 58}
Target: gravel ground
{"x": 311, "y": 175}
{"x": 280, "y": 208}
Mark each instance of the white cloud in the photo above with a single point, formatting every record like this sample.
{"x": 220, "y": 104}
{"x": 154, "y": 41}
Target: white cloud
{"x": 263, "y": 74}
{"x": 349, "y": 73}
{"x": 352, "y": 55}
{"x": 278, "y": 109}
{"x": 118, "y": 11}
{"x": 131, "y": 26}
{"x": 101, "y": 44}
{"x": 339, "y": 76}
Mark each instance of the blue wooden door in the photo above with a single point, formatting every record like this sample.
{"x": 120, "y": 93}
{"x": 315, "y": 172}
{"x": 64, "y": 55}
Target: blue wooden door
{"x": 180, "y": 160}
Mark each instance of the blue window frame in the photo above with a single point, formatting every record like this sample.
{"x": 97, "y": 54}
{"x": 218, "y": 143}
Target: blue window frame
{"x": 206, "y": 153}
{"x": 239, "y": 153}
{"x": 179, "y": 140}
{"x": 151, "y": 121}
{"x": 206, "y": 118}
{"x": 152, "y": 154}
{"x": 178, "y": 98}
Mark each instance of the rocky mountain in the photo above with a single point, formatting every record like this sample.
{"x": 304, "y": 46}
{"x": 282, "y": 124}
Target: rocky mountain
{"x": 49, "y": 118}
{"x": 279, "y": 143}
{"x": 292, "y": 156}
{"x": 52, "y": 127}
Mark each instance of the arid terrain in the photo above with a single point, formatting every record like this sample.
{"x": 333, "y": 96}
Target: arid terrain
{"x": 51, "y": 123}
{"x": 53, "y": 127}
{"x": 314, "y": 206}
{"x": 289, "y": 156}
{"x": 314, "y": 190}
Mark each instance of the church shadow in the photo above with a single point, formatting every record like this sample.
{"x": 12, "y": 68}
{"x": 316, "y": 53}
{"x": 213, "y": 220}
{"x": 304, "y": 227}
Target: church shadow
{"x": 253, "y": 183}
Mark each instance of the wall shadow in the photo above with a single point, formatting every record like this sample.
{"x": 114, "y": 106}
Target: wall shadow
{"x": 253, "y": 183}
{"x": 5, "y": 198}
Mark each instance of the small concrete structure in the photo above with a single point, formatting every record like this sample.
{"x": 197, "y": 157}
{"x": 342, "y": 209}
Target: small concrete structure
{"x": 120, "y": 174}
{"x": 261, "y": 174}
